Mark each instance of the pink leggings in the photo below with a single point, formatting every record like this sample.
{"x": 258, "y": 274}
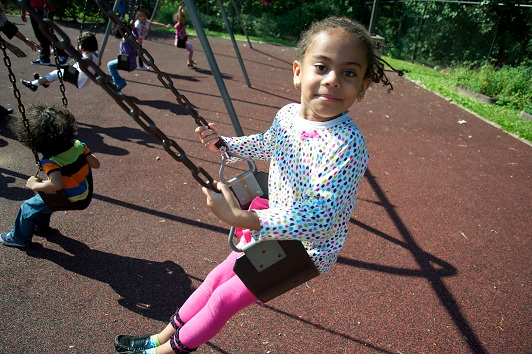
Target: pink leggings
{"x": 217, "y": 299}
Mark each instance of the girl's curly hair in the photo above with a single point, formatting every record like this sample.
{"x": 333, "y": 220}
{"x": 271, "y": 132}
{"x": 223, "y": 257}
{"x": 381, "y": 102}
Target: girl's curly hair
{"x": 375, "y": 69}
{"x": 51, "y": 128}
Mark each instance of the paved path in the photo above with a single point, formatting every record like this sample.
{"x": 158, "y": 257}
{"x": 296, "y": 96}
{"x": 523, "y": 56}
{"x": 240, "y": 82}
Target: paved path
{"x": 439, "y": 254}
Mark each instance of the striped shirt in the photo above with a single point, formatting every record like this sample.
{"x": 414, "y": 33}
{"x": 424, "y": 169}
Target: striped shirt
{"x": 72, "y": 164}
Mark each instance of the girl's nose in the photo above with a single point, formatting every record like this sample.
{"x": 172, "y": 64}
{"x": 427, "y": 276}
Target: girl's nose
{"x": 331, "y": 79}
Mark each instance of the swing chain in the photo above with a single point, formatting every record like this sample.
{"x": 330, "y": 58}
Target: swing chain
{"x": 103, "y": 80}
{"x": 64, "y": 99}
{"x": 21, "y": 108}
{"x": 84, "y": 17}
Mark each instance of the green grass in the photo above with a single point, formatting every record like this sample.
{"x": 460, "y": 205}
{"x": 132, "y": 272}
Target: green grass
{"x": 443, "y": 83}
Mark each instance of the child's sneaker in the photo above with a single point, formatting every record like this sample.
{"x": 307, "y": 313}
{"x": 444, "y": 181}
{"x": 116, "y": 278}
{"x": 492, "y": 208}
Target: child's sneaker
{"x": 125, "y": 343}
{"x": 6, "y": 242}
{"x": 120, "y": 87}
{"x": 29, "y": 85}
{"x": 144, "y": 68}
{"x": 38, "y": 77}
{"x": 63, "y": 61}
{"x": 38, "y": 61}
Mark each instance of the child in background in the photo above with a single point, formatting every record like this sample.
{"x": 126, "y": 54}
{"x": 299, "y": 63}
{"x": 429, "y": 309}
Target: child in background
{"x": 88, "y": 46}
{"x": 127, "y": 49}
{"x": 142, "y": 24}
{"x": 44, "y": 56}
{"x": 181, "y": 37}
{"x": 317, "y": 160}
{"x": 66, "y": 160}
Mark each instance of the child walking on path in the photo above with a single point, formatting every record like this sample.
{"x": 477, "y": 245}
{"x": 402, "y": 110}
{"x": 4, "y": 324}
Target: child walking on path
{"x": 125, "y": 48}
{"x": 181, "y": 37}
{"x": 317, "y": 160}
{"x": 88, "y": 45}
{"x": 66, "y": 161}
{"x": 142, "y": 24}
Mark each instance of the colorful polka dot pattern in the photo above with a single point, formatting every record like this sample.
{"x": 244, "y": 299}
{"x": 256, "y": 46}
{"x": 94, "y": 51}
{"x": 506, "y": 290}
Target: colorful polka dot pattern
{"x": 313, "y": 179}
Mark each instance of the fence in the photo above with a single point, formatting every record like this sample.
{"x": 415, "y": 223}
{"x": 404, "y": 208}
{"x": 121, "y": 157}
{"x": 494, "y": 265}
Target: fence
{"x": 440, "y": 33}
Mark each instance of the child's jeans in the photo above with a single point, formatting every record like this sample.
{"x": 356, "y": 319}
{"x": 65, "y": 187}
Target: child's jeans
{"x": 113, "y": 70}
{"x": 33, "y": 213}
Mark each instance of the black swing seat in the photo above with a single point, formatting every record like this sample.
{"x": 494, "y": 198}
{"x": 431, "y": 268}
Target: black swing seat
{"x": 124, "y": 62}
{"x": 291, "y": 267}
{"x": 71, "y": 75}
{"x": 58, "y": 200}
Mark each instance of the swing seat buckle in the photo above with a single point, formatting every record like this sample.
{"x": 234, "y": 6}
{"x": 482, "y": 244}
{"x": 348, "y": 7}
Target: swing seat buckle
{"x": 264, "y": 254}
{"x": 245, "y": 187}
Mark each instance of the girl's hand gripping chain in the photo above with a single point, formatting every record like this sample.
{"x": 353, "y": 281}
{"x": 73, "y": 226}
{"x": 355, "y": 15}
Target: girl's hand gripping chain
{"x": 209, "y": 136}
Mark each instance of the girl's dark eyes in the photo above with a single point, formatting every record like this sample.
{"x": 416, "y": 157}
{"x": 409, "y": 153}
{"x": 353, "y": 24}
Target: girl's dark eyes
{"x": 349, "y": 73}
{"x": 323, "y": 68}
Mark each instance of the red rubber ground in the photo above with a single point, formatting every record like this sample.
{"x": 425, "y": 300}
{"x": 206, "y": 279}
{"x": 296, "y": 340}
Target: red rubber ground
{"x": 438, "y": 258}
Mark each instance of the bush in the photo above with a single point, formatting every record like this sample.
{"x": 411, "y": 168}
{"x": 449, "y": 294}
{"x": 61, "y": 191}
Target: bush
{"x": 512, "y": 86}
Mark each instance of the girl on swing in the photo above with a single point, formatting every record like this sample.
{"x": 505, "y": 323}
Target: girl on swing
{"x": 181, "y": 37}
{"x": 318, "y": 158}
{"x": 88, "y": 46}
{"x": 66, "y": 161}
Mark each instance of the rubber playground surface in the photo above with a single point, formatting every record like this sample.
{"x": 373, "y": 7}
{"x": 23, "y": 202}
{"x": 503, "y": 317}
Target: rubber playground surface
{"x": 438, "y": 258}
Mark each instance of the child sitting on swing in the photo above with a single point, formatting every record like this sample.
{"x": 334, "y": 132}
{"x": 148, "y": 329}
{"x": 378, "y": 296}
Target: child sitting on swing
{"x": 66, "y": 161}
{"x": 88, "y": 46}
{"x": 125, "y": 49}
{"x": 317, "y": 159}
{"x": 181, "y": 37}
{"x": 143, "y": 25}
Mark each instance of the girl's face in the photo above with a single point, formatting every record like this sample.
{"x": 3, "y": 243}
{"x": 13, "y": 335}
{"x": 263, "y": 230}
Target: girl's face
{"x": 331, "y": 75}
{"x": 142, "y": 17}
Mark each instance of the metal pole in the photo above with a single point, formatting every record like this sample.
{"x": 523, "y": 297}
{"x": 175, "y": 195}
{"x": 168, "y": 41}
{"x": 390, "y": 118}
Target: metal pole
{"x": 373, "y": 19}
{"x": 154, "y": 10}
{"x": 419, "y": 33}
{"x": 235, "y": 45}
{"x": 200, "y": 32}
{"x": 241, "y": 23}
{"x": 107, "y": 30}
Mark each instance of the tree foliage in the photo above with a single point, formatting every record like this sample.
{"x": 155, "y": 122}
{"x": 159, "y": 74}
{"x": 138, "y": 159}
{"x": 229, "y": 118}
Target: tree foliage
{"x": 431, "y": 32}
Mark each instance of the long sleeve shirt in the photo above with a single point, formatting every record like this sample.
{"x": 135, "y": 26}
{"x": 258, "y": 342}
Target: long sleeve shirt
{"x": 315, "y": 170}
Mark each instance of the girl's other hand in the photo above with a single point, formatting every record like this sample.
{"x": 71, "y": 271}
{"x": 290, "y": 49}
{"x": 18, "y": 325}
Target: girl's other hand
{"x": 209, "y": 136}
{"x": 226, "y": 207}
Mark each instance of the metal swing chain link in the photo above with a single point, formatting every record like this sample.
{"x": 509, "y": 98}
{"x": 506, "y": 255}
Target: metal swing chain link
{"x": 84, "y": 17}
{"x": 103, "y": 80}
{"x": 64, "y": 99}
{"x": 21, "y": 108}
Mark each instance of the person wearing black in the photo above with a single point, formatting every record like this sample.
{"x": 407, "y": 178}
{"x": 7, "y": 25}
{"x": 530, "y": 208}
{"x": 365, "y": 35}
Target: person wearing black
{"x": 44, "y": 58}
